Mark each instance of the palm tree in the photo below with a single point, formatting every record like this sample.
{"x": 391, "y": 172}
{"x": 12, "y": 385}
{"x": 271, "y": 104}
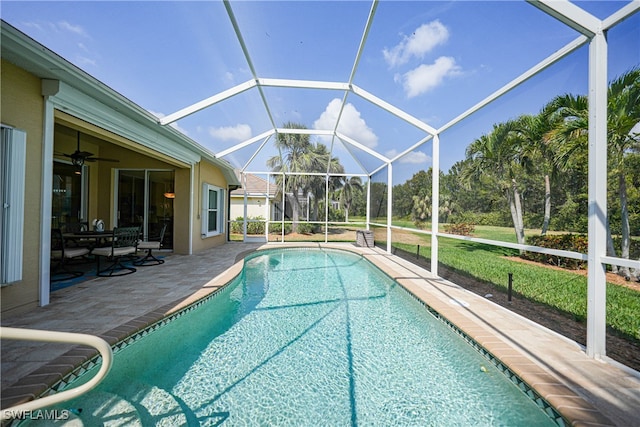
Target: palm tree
{"x": 295, "y": 155}
{"x": 623, "y": 117}
{"x": 322, "y": 162}
{"x": 532, "y": 129}
{"x": 498, "y": 157}
{"x": 347, "y": 193}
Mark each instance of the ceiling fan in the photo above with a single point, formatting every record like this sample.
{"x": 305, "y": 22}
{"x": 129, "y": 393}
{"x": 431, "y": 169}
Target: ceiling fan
{"x": 78, "y": 158}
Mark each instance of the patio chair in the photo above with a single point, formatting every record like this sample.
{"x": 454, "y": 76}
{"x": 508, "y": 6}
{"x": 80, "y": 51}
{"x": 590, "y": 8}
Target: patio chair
{"x": 60, "y": 255}
{"x": 124, "y": 241}
{"x": 149, "y": 245}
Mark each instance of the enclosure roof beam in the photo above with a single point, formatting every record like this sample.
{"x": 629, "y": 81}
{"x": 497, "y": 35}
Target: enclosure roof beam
{"x": 571, "y": 15}
{"x": 363, "y": 41}
{"x": 620, "y": 15}
{"x": 246, "y": 143}
{"x": 246, "y": 165}
{"x": 236, "y": 29}
{"x": 304, "y": 131}
{"x": 550, "y": 60}
{"x": 393, "y": 110}
{"x": 207, "y": 102}
{"x": 302, "y": 84}
{"x": 413, "y": 147}
{"x": 353, "y": 156}
{"x": 378, "y": 169}
{"x": 364, "y": 148}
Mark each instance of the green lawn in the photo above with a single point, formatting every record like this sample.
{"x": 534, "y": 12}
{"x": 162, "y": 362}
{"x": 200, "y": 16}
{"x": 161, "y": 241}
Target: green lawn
{"x": 563, "y": 290}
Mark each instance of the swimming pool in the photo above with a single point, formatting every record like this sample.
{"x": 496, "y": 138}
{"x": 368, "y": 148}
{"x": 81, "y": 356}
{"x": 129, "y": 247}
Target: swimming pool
{"x": 306, "y": 337}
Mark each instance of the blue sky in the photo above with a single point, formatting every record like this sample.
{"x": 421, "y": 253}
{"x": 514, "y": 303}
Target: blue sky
{"x": 432, "y": 59}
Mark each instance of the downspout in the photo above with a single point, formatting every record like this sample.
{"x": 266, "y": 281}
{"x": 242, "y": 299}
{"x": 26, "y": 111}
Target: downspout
{"x": 192, "y": 201}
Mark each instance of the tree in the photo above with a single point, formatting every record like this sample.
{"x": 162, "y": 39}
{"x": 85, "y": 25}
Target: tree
{"x": 321, "y": 161}
{"x": 623, "y": 118}
{"x": 532, "y": 129}
{"x": 421, "y": 209}
{"x": 295, "y": 155}
{"x": 348, "y": 192}
{"x": 498, "y": 156}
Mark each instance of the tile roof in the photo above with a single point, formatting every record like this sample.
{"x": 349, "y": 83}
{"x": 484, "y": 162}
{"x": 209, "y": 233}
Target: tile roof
{"x": 255, "y": 186}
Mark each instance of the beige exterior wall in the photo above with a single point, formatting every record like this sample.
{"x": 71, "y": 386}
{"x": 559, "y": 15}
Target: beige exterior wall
{"x": 206, "y": 173}
{"x": 255, "y": 207}
{"x": 23, "y": 108}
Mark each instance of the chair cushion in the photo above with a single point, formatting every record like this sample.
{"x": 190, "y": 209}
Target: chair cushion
{"x": 106, "y": 251}
{"x": 149, "y": 245}
{"x": 75, "y": 252}
{"x": 125, "y": 250}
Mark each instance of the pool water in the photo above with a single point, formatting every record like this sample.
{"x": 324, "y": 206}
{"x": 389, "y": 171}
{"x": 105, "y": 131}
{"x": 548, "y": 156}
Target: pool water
{"x": 306, "y": 338}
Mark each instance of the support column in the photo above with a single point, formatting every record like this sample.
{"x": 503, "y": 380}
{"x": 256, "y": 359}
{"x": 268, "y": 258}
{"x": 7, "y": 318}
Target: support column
{"x": 435, "y": 203}
{"x": 45, "y": 199}
{"x": 389, "y": 204}
{"x": 597, "y": 227}
{"x": 326, "y": 209}
{"x": 368, "y": 218}
{"x": 244, "y": 211}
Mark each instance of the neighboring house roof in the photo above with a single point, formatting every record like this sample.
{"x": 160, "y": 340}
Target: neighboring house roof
{"x": 255, "y": 186}
{"x": 140, "y": 126}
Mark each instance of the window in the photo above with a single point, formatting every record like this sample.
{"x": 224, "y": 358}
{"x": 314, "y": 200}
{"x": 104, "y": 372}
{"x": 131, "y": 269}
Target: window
{"x": 212, "y": 210}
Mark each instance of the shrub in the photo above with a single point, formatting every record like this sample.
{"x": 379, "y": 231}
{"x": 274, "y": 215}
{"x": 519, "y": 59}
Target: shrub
{"x": 498, "y": 219}
{"x": 256, "y": 227}
{"x": 276, "y": 228}
{"x": 567, "y": 242}
{"x": 305, "y": 228}
{"x": 236, "y": 227}
{"x": 252, "y": 227}
{"x": 462, "y": 229}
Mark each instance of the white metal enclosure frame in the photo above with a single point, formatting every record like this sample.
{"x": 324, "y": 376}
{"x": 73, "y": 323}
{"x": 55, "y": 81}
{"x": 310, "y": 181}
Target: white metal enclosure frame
{"x": 592, "y": 31}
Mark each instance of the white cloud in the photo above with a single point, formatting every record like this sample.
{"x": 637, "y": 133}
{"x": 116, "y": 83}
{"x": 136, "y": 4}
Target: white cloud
{"x": 423, "y": 40}
{"x": 70, "y": 28}
{"x": 351, "y": 123}
{"x": 413, "y": 157}
{"x": 240, "y": 132}
{"x": 428, "y": 76}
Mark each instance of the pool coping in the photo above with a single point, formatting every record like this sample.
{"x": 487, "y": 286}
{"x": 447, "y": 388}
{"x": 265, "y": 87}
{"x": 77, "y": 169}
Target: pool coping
{"x": 435, "y": 293}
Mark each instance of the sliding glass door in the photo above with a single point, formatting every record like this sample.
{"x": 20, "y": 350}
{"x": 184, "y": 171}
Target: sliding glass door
{"x": 69, "y": 196}
{"x": 145, "y": 199}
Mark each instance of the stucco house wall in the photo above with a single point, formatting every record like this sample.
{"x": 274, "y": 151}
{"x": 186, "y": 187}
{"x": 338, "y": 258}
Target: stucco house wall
{"x": 51, "y": 100}
{"x": 22, "y": 108}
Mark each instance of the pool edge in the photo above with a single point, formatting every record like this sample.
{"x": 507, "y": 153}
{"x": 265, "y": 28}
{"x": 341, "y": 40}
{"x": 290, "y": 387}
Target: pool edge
{"x": 569, "y": 404}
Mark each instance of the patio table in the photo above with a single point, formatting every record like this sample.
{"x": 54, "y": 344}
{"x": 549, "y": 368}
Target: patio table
{"x": 92, "y": 239}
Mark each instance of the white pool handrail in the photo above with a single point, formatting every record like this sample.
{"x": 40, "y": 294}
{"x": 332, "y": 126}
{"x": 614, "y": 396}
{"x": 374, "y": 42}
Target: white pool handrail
{"x": 61, "y": 337}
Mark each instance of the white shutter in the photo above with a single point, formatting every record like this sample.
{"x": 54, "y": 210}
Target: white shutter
{"x": 13, "y": 154}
